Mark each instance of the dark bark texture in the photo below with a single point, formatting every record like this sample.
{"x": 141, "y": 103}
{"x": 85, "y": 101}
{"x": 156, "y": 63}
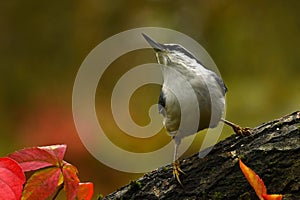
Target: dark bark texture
{"x": 272, "y": 151}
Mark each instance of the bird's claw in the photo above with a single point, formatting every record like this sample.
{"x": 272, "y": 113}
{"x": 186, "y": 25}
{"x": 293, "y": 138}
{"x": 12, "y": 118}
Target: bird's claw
{"x": 237, "y": 129}
{"x": 242, "y": 131}
{"x": 177, "y": 171}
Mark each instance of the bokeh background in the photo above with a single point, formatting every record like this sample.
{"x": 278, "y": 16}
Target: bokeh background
{"x": 255, "y": 45}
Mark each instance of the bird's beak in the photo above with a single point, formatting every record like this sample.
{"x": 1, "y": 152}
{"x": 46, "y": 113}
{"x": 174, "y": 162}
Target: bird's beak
{"x": 155, "y": 45}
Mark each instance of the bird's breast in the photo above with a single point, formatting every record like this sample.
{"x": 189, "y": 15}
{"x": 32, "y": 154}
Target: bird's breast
{"x": 189, "y": 109}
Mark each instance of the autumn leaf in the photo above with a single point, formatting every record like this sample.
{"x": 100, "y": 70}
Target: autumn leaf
{"x": 272, "y": 196}
{"x": 39, "y": 157}
{"x": 51, "y": 171}
{"x": 85, "y": 191}
{"x": 12, "y": 179}
{"x": 71, "y": 180}
{"x": 57, "y": 150}
{"x": 254, "y": 180}
{"x": 41, "y": 184}
{"x": 257, "y": 184}
{"x": 33, "y": 158}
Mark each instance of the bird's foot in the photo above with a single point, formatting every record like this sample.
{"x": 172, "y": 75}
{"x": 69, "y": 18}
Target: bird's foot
{"x": 241, "y": 131}
{"x": 177, "y": 171}
{"x": 237, "y": 129}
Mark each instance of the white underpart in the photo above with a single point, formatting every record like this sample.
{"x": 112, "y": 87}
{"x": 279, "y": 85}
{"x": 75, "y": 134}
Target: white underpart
{"x": 199, "y": 78}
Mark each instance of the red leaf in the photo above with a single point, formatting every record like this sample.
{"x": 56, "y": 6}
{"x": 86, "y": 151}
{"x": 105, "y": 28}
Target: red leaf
{"x": 272, "y": 196}
{"x": 12, "y": 179}
{"x": 71, "y": 180}
{"x": 57, "y": 150}
{"x": 41, "y": 184}
{"x": 33, "y": 158}
{"x": 39, "y": 157}
{"x": 85, "y": 191}
{"x": 254, "y": 180}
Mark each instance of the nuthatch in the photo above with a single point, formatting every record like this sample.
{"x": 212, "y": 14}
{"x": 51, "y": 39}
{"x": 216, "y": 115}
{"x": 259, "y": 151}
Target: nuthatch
{"x": 208, "y": 88}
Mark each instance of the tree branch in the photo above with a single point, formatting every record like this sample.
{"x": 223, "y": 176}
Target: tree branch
{"x": 272, "y": 151}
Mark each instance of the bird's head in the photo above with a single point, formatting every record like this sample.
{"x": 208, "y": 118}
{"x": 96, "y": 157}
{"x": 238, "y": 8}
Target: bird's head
{"x": 170, "y": 54}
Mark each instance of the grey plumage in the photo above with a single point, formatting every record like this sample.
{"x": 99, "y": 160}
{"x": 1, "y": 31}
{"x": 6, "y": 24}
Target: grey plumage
{"x": 189, "y": 91}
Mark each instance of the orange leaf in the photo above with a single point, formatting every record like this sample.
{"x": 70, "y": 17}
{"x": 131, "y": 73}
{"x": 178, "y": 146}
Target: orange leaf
{"x": 254, "y": 180}
{"x": 85, "y": 191}
{"x": 41, "y": 184}
{"x": 71, "y": 180}
{"x": 272, "y": 196}
{"x": 258, "y": 184}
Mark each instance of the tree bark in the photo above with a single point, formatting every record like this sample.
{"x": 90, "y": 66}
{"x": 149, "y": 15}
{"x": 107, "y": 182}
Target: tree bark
{"x": 272, "y": 151}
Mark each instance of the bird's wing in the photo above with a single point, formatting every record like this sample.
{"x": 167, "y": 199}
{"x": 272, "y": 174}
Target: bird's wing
{"x": 162, "y": 104}
{"x": 220, "y": 82}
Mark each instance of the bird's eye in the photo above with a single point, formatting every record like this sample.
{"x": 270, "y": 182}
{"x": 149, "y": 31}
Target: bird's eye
{"x": 166, "y": 60}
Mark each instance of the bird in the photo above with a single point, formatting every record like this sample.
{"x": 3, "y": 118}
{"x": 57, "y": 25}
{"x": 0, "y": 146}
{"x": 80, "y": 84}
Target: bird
{"x": 174, "y": 102}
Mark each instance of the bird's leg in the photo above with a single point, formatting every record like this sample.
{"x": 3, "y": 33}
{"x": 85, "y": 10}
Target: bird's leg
{"x": 237, "y": 129}
{"x": 176, "y": 164}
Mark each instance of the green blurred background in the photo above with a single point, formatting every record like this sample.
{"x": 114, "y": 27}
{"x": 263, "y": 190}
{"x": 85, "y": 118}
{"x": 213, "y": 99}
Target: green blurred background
{"x": 255, "y": 45}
